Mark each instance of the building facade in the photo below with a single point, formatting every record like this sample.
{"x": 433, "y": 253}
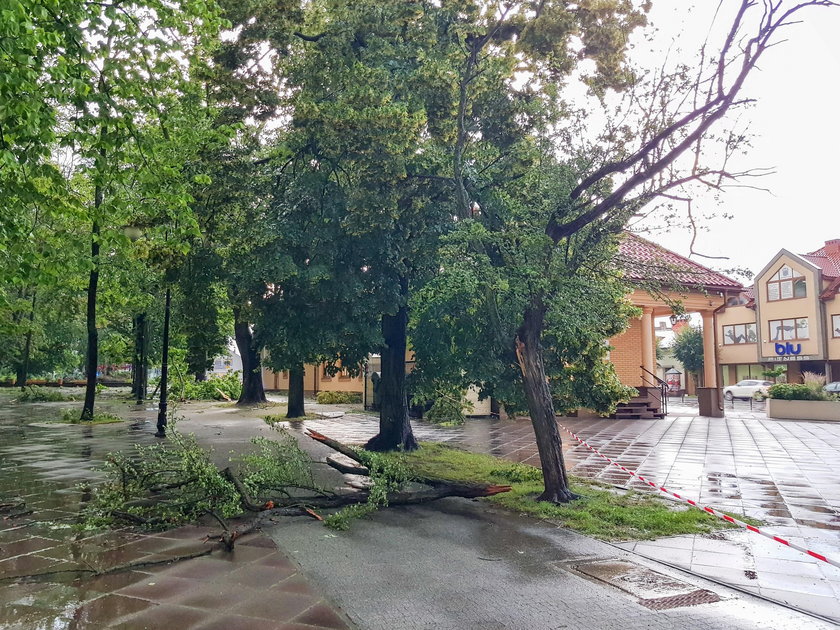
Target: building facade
{"x": 693, "y": 289}
{"x": 790, "y": 317}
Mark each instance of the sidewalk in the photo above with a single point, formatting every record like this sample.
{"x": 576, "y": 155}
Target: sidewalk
{"x": 786, "y": 474}
{"x": 459, "y": 565}
{"x": 255, "y": 586}
{"x": 450, "y": 565}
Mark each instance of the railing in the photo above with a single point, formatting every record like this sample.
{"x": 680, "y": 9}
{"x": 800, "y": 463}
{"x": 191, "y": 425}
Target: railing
{"x": 661, "y": 385}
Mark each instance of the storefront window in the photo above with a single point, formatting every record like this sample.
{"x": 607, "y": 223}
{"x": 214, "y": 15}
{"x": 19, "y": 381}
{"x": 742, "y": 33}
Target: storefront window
{"x": 738, "y": 334}
{"x": 787, "y": 329}
{"x": 786, "y": 284}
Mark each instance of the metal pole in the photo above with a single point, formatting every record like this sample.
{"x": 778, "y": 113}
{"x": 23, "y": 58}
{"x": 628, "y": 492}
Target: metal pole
{"x": 164, "y": 371}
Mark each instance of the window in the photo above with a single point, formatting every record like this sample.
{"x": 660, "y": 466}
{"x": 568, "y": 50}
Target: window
{"x": 835, "y": 325}
{"x": 786, "y": 329}
{"x": 739, "y": 333}
{"x": 786, "y": 284}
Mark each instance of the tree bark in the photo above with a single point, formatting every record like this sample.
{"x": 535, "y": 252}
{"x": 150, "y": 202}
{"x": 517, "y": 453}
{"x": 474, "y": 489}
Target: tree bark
{"x": 252, "y": 385}
{"x": 296, "y": 409}
{"x": 529, "y": 352}
{"x": 23, "y": 365}
{"x": 394, "y": 426}
{"x": 92, "y": 333}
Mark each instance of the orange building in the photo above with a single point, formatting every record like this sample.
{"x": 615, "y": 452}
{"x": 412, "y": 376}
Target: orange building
{"x": 695, "y": 288}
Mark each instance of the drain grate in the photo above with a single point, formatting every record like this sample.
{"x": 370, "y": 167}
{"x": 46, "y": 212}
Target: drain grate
{"x": 700, "y": 596}
{"x": 651, "y": 589}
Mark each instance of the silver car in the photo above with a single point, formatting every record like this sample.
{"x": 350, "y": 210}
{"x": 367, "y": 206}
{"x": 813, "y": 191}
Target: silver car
{"x": 747, "y": 389}
{"x": 833, "y": 388}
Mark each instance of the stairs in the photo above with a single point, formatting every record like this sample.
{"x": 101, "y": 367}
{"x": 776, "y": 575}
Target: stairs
{"x": 645, "y": 406}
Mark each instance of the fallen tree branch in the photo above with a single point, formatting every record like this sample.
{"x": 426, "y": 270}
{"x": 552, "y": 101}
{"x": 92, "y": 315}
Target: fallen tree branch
{"x": 247, "y": 502}
{"x": 347, "y": 469}
{"x": 335, "y": 445}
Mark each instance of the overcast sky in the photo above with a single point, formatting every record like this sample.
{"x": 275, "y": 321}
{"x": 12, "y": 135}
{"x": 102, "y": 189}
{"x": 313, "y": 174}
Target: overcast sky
{"x": 796, "y": 123}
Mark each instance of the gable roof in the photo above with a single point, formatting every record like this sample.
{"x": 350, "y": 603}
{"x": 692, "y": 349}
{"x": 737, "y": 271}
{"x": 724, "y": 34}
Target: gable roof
{"x": 644, "y": 261}
{"x": 829, "y": 264}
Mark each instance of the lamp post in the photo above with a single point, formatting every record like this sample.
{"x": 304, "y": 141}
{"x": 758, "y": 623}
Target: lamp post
{"x": 164, "y": 370}
{"x": 134, "y": 233}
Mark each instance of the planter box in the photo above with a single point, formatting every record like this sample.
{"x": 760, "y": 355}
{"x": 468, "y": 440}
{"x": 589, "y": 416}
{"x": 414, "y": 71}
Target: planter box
{"x": 803, "y": 409}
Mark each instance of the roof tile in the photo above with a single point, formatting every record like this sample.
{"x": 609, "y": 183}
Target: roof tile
{"x": 643, "y": 260}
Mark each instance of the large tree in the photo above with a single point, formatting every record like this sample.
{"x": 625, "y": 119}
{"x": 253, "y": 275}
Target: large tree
{"x": 515, "y": 58}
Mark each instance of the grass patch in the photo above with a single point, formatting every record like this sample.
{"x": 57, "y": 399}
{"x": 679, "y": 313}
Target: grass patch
{"x": 33, "y": 393}
{"x": 72, "y": 416}
{"x": 603, "y": 511}
{"x": 274, "y": 418}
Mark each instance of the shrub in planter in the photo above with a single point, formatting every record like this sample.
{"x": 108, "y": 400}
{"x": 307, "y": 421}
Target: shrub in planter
{"x": 338, "y": 398}
{"x": 794, "y": 391}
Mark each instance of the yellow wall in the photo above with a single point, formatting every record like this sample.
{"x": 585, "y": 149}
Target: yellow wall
{"x": 736, "y": 353}
{"x": 832, "y": 307}
{"x": 808, "y": 306}
{"x": 314, "y": 380}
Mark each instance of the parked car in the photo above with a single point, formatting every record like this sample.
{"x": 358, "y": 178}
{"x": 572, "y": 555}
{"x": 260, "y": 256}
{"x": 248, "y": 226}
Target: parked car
{"x": 833, "y": 388}
{"x": 747, "y": 389}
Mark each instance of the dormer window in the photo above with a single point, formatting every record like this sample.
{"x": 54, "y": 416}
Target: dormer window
{"x": 786, "y": 284}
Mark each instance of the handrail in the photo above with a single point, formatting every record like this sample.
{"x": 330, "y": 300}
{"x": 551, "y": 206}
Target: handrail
{"x": 659, "y": 381}
{"x": 661, "y": 385}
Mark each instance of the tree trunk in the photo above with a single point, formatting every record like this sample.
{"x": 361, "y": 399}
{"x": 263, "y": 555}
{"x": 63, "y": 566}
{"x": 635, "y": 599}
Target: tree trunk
{"x": 252, "y": 385}
{"x": 394, "y": 426}
{"x": 529, "y": 352}
{"x": 23, "y": 366}
{"x": 296, "y": 392}
{"x": 92, "y": 333}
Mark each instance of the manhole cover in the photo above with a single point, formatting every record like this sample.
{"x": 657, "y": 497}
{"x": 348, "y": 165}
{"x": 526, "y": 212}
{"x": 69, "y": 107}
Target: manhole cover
{"x": 654, "y": 590}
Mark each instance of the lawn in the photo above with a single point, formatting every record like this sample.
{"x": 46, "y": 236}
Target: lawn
{"x": 603, "y": 511}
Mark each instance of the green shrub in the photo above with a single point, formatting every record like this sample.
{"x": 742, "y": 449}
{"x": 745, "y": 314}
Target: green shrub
{"x": 73, "y": 416}
{"x": 33, "y": 393}
{"x": 795, "y": 391}
{"x": 211, "y": 389}
{"x": 338, "y": 398}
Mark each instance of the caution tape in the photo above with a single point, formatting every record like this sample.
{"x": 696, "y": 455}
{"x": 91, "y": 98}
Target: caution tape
{"x": 705, "y": 508}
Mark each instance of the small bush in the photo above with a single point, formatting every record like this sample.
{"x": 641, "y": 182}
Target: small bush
{"x": 211, "y": 389}
{"x": 450, "y": 407}
{"x": 73, "y": 416}
{"x": 338, "y": 398}
{"x": 795, "y": 391}
{"x": 33, "y": 393}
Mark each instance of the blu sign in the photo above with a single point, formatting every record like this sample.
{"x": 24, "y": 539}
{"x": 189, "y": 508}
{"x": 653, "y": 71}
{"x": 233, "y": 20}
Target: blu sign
{"x": 787, "y": 349}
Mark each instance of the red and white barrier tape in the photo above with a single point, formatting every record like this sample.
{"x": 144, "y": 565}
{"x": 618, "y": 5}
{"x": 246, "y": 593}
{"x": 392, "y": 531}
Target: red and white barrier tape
{"x": 712, "y": 511}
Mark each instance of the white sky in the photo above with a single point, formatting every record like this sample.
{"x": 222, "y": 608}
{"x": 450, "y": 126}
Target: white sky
{"x": 796, "y": 127}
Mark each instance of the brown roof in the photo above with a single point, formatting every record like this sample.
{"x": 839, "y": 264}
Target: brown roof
{"x": 828, "y": 263}
{"x": 644, "y": 261}
{"x": 828, "y": 260}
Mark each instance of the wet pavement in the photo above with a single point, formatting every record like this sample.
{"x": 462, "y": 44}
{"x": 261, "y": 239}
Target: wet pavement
{"x": 41, "y": 465}
{"x": 784, "y": 473}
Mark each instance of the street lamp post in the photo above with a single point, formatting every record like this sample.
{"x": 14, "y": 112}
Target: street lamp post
{"x": 164, "y": 370}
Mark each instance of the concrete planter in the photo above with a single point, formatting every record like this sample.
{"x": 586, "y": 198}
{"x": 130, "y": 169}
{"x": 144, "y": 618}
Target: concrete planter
{"x": 803, "y": 409}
